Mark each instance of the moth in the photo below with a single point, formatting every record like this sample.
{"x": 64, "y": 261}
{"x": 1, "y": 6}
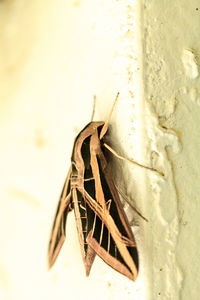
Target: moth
{"x": 89, "y": 190}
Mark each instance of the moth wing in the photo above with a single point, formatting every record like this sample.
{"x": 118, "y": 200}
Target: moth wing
{"x": 57, "y": 237}
{"x": 111, "y": 236}
{"x": 84, "y": 220}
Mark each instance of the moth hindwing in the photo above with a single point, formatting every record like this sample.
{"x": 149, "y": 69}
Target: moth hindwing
{"x": 102, "y": 225}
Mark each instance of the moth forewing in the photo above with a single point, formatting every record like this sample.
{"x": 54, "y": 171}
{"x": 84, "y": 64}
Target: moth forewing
{"x": 115, "y": 232}
{"x": 57, "y": 237}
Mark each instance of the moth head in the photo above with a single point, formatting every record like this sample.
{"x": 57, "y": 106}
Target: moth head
{"x": 103, "y": 130}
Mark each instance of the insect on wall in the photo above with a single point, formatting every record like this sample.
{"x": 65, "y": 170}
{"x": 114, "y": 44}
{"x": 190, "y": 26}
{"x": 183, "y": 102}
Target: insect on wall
{"x": 89, "y": 190}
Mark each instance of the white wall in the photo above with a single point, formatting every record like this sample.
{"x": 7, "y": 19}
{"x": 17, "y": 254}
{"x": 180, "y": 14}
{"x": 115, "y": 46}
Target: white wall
{"x": 171, "y": 82}
{"x": 54, "y": 56}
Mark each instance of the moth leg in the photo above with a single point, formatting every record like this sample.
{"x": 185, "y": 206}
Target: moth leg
{"x": 94, "y": 224}
{"x": 108, "y": 204}
{"x": 131, "y": 161}
{"x": 124, "y": 239}
{"x": 89, "y": 179}
{"x": 128, "y": 242}
{"x": 129, "y": 202}
{"x": 101, "y": 234}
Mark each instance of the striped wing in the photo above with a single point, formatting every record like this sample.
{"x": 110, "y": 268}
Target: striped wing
{"x": 57, "y": 237}
{"x": 106, "y": 229}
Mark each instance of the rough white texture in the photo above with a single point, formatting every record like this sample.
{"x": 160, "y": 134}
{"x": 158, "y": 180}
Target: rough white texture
{"x": 190, "y": 63}
{"x": 171, "y": 80}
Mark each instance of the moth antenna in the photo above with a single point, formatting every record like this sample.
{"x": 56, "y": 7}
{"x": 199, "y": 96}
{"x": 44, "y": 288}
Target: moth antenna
{"x": 105, "y": 126}
{"x": 110, "y": 113}
{"x": 93, "y": 108}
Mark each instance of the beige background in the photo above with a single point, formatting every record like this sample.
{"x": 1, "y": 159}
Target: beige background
{"x": 54, "y": 56}
{"x": 171, "y": 76}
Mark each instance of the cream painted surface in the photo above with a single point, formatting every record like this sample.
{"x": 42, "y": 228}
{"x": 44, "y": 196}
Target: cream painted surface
{"x": 54, "y": 56}
{"x": 171, "y": 79}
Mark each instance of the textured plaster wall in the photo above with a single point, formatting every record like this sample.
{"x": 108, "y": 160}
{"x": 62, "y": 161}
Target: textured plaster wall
{"x": 54, "y": 56}
{"x": 171, "y": 82}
